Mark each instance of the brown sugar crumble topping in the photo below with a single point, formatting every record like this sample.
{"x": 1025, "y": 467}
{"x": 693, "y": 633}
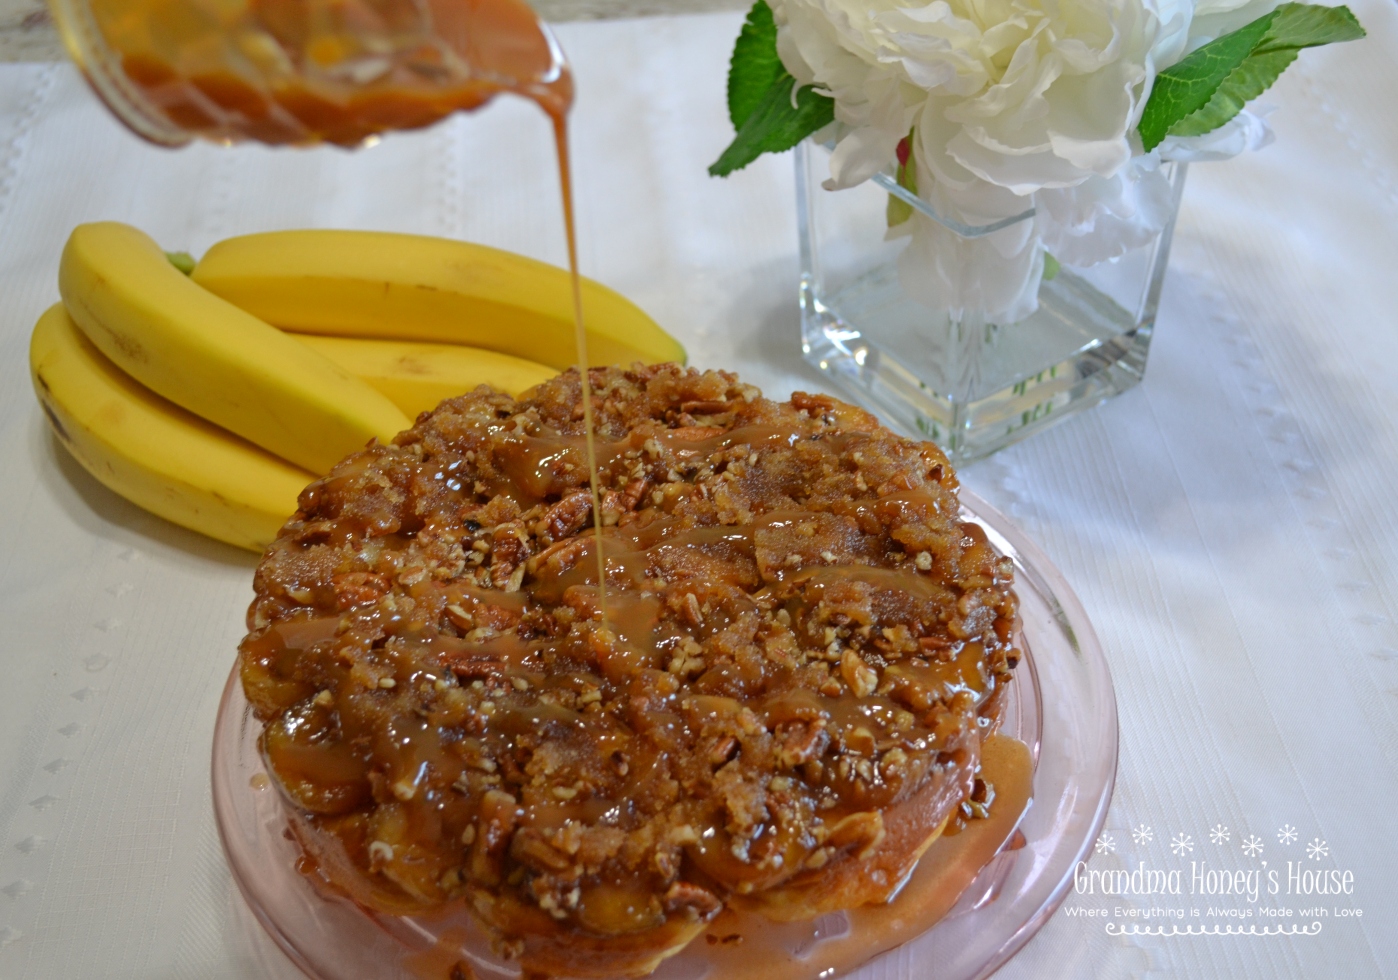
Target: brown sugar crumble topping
{"x": 803, "y": 649}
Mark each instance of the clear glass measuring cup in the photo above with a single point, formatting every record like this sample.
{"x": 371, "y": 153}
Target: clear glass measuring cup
{"x": 307, "y": 71}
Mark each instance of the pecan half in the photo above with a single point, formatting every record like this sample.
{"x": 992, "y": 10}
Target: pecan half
{"x": 623, "y": 501}
{"x": 509, "y": 547}
{"x": 566, "y": 517}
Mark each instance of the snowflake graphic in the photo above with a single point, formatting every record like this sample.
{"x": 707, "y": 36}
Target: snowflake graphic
{"x": 1142, "y": 835}
{"x": 1317, "y": 849}
{"x": 1252, "y": 846}
{"x": 1181, "y": 844}
{"x": 1106, "y": 844}
{"x": 1287, "y": 834}
{"x": 1219, "y": 835}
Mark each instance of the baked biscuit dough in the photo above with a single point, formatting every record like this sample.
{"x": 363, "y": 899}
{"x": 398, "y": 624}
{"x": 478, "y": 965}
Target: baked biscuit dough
{"x": 803, "y": 648}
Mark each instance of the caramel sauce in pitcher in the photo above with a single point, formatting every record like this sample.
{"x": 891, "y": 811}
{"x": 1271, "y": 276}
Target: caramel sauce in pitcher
{"x": 307, "y": 71}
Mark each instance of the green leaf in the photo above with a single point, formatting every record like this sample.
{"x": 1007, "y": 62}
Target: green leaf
{"x": 182, "y": 261}
{"x": 775, "y": 124}
{"x": 1210, "y": 86}
{"x": 1296, "y": 26}
{"x": 1249, "y": 80}
{"x": 899, "y": 210}
{"x": 1186, "y": 86}
{"x": 755, "y": 65}
{"x": 760, "y": 98}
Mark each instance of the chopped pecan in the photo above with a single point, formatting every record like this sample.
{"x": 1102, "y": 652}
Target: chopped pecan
{"x": 801, "y": 741}
{"x": 815, "y": 404}
{"x": 684, "y": 896}
{"x": 359, "y": 588}
{"x": 469, "y": 667}
{"x": 723, "y": 750}
{"x": 498, "y": 815}
{"x": 497, "y": 618}
{"x": 460, "y": 617}
{"x": 692, "y": 611}
{"x": 509, "y": 548}
{"x": 566, "y": 517}
{"x": 744, "y": 799}
{"x": 695, "y": 433}
{"x": 710, "y": 407}
{"x": 861, "y": 678}
{"x": 531, "y": 847}
{"x": 625, "y": 500}
{"x": 559, "y": 556}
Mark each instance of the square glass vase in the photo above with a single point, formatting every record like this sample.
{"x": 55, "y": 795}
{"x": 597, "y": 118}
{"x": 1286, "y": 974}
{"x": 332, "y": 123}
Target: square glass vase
{"x": 971, "y": 386}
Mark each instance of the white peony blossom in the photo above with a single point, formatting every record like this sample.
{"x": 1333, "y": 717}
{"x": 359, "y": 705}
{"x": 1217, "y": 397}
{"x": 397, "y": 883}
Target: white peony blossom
{"x": 1014, "y": 104}
{"x": 1105, "y": 217}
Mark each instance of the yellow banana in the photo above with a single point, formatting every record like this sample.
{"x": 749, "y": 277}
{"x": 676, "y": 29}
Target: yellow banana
{"x": 416, "y": 377}
{"x": 412, "y": 287}
{"x": 153, "y": 452}
{"x": 210, "y": 357}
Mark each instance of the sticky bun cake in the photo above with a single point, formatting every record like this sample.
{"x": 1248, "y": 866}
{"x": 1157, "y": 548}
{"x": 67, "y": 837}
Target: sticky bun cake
{"x": 782, "y": 705}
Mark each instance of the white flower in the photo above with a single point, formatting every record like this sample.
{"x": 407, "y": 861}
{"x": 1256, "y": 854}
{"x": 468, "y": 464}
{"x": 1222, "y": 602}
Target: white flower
{"x": 1022, "y": 94}
{"x": 996, "y": 274}
{"x": 1014, "y": 104}
{"x": 1105, "y": 217}
{"x": 1215, "y": 18}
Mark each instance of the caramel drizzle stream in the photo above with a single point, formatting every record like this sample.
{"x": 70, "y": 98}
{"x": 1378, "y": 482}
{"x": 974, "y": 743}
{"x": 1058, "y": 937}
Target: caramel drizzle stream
{"x": 560, "y": 135}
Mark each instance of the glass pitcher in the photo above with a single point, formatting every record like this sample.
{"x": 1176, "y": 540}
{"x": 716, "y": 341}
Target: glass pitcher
{"x": 306, "y": 71}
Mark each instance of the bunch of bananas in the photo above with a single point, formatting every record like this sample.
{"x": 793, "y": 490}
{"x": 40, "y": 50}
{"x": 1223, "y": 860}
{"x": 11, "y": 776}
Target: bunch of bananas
{"x": 212, "y": 398}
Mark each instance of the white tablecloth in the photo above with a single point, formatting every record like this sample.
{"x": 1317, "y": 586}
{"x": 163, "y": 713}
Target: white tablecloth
{"x": 1229, "y": 524}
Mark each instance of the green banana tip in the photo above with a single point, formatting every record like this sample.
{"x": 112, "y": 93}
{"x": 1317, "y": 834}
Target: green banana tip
{"x": 182, "y": 261}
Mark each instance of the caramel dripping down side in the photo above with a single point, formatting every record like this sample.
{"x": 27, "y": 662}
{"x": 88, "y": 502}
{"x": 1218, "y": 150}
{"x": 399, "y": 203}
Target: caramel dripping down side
{"x": 941, "y": 877}
{"x": 745, "y": 946}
